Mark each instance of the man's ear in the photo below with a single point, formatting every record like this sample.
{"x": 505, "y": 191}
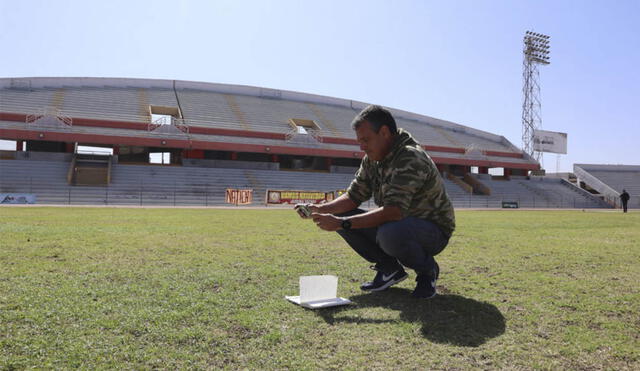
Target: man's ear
{"x": 386, "y": 133}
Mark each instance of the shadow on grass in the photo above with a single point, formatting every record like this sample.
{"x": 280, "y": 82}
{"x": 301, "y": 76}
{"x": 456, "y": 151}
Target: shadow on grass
{"x": 447, "y": 319}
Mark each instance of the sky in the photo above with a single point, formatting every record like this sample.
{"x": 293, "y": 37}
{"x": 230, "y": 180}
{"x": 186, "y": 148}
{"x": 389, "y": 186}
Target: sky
{"x": 456, "y": 60}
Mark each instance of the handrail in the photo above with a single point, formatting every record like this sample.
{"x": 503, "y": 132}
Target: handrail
{"x": 109, "y": 171}
{"x": 459, "y": 182}
{"x": 179, "y": 124}
{"x": 583, "y": 192}
{"x": 610, "y": 194}
{"x": 71, "y": 170}
{"x": 477, "y": 185}
{"x": 53, "y": 112}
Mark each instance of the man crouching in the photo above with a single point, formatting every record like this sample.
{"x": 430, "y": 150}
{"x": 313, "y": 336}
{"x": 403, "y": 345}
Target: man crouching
{"x": 414, "y": 219}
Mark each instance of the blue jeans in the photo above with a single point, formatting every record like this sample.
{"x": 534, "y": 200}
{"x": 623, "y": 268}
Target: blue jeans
{"x": 411, "y": 242}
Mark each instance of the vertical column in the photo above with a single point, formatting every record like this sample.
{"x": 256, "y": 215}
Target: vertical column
{"x": 19, "y": 145}
{"x": 483, "y": 170}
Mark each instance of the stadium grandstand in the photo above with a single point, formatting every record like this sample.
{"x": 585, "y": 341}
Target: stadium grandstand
{"x": 212, "y": 138}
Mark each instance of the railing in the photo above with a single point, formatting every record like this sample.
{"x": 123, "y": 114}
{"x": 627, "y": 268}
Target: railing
{"x": 466, "y": 187}
{"x": 477, "y": 185}
{"x": 210, "y": 194}
{"x": 180, "y": 125}
{"x": 611, "y": 196}
{"x": 71, "y": 171}
{"x": 576, "y": 188}
{"x": 311, "y": 136}
{"x": 49, "y": 112}
{"x": 534, "y": 202}
{"x": 316, "y": 135}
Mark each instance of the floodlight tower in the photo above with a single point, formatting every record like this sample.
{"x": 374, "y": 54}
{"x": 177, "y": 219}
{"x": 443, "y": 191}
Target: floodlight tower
{"x": 535, "y": 52}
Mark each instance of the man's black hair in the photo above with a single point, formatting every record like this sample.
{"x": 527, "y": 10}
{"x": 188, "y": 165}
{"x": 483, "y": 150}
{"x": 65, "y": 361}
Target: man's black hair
{"x": 377, "y": 117}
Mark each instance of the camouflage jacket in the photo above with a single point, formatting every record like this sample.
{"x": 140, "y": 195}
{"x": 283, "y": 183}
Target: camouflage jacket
{"x": 406, "y": 178}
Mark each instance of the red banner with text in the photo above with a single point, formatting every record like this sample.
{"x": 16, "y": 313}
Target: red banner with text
{"x": 275, "y": 197}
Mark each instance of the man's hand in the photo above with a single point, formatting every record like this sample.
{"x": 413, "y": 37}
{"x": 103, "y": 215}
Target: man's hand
{"x": 327, "y": 222}
{"x": 300, "y": 208}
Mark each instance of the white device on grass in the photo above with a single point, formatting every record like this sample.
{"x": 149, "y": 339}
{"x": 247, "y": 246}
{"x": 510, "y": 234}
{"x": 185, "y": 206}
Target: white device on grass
{"x": 318, "y": 292}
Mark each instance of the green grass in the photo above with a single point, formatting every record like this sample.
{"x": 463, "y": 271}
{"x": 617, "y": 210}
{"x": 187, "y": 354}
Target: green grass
{"x": 202, "y": 288}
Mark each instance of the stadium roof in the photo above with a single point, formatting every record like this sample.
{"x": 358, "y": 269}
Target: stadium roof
{"x": 222, "y": 117}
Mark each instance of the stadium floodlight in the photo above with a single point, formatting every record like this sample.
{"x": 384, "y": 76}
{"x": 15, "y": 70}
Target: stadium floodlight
{"x": 535, "y": 52}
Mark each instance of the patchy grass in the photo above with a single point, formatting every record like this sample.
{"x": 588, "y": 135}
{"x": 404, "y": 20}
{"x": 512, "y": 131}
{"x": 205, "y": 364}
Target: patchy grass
{"x": 204, "y": 288}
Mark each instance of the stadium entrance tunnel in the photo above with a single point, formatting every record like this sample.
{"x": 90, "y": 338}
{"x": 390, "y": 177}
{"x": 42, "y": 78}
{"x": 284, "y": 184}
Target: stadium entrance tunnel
{"x": 445, "y": 319}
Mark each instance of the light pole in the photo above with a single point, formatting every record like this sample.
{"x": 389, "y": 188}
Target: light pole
{"x": 535, "y": 52}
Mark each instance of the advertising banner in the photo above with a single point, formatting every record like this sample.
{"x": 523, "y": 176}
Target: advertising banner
{"x": 550, "y": 141}
{"x": 239, "y": 196}
{"x": 17, "y": 198}
{"x": 275, "y": 197}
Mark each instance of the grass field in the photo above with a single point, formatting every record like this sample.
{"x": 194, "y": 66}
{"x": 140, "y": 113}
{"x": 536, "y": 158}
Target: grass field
{"x": 204, "y": 288}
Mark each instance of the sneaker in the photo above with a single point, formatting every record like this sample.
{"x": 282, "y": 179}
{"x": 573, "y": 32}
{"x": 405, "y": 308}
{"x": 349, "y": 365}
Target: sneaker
{"x": 426, "y": 285}
{"x": 382, "y": 281}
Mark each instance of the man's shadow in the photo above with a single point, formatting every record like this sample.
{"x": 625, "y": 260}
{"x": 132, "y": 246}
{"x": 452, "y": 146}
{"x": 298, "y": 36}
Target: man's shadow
{"x": 447, "y": 319}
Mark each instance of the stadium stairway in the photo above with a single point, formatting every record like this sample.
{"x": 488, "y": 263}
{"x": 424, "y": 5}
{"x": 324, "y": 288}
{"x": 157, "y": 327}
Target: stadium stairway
{"x": 90, "y": 170}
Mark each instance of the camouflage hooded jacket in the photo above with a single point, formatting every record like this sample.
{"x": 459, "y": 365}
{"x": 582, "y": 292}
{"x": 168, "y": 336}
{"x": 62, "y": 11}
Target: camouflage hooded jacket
{"x": 406, "y": 178}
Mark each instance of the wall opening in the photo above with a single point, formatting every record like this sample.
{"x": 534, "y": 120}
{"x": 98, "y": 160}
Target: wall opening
{"x": 161, "y": 158}
{"x": 164, "y": 115}
{"x": 161, "y": 119}
{"x": 92, "y": 150}
{"x": 302, "y": 126}
{"x": 10, "y": 145}
{"x": 496, "y": 171}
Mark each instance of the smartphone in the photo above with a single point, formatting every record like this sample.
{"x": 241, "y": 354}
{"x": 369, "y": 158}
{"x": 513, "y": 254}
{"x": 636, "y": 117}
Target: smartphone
{"x": 303, "y": 210}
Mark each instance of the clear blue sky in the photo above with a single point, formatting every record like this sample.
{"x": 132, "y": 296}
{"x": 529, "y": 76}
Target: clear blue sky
{"x": 455, "y": 60}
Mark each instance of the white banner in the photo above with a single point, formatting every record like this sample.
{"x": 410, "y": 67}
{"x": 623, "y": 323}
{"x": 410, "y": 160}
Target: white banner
{"x": 550, "y": 141}
{"x": 17, "y": 198}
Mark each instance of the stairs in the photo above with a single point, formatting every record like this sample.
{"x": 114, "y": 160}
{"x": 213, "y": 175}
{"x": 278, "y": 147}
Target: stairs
{"x": 89, "y": 170}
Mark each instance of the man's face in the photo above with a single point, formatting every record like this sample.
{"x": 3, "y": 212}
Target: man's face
{"x": 375, "y": 145}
